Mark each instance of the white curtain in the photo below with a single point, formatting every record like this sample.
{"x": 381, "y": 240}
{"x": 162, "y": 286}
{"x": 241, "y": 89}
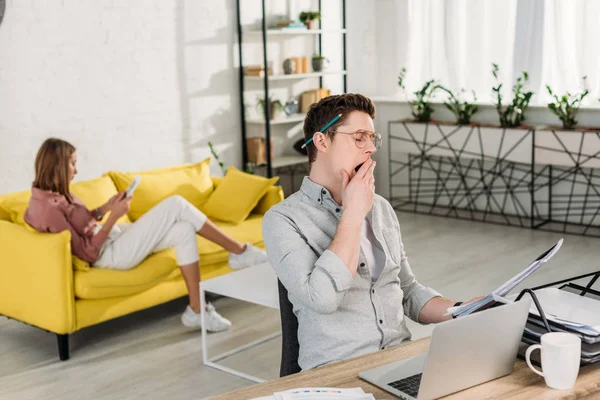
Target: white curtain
{"x": 456, "y": 41}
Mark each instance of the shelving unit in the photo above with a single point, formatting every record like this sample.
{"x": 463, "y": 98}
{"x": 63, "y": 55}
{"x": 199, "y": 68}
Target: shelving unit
{"x": 279, "y": 120}
{"x": 296, "y": 76}
{"x": 285, "y": 32}
{"x": 266, "y": 33}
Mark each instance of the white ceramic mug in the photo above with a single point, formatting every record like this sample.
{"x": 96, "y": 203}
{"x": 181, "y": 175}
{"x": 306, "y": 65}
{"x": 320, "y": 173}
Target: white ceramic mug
{"x": 561, "y": 355}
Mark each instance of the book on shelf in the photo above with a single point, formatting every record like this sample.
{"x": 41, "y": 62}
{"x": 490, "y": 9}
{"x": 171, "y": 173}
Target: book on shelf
{"x": 257, "y": 152}
{"x": 310, "y": 97}
{"x": 257, "y": 70}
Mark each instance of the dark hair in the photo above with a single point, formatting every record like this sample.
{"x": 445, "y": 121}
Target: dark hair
{"x": 325, "y": 110}
{"x": 52, "y": 166}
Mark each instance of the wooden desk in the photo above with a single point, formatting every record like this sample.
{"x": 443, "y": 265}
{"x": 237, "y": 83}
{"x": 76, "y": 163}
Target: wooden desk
{"x": 521, "y": 384}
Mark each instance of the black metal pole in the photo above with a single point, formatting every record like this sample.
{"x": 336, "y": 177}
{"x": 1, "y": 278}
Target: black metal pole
{"x": 320, "y": 42}
{"x": 532, "y": 132}
{"x": 344, "y": 45}
{"x": 389, "y": 146}
{"x": 267, "y": 101}
{"x": 241, "y": 77}
{"x": 550, "y": 183}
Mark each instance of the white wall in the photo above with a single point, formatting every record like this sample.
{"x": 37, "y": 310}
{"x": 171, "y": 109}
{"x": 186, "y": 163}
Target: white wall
{"x": 132, "y": 84}
{"x": 137, "y": 84}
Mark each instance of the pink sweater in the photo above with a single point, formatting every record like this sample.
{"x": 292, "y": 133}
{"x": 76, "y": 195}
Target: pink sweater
{"x": 51, "y": 212}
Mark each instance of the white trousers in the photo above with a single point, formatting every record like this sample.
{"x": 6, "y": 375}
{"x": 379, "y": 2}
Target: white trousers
{"x": 172, "y": 223}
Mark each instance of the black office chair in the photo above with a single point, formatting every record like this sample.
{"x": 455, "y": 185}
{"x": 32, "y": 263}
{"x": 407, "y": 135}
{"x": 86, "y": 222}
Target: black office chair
{"x": 289, "y": 335}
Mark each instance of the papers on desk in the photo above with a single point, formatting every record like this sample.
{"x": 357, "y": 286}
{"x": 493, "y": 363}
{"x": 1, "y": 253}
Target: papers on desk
{"x": 569, "y": 310}
{"x": 320, "y": 394}
{"x": 467, "y": 309}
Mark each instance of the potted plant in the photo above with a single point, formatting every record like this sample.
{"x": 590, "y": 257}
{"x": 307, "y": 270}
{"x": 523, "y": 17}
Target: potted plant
{"x": 567, "y": 106}
{"x": 309, "y": 17}
{"x": 319, "y": 63}
{"x": 513, "y": 114}
{"x": 421, "y": 107}
{"x": 462, "y": 110}
{"x": 276, "y": 106}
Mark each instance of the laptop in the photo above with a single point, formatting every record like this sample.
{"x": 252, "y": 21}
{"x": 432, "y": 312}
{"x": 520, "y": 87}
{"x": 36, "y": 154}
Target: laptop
{"x": 463, "y": 352}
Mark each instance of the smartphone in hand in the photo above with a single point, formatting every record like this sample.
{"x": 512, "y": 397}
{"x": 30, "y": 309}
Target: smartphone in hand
{"x": 132, "y": 186}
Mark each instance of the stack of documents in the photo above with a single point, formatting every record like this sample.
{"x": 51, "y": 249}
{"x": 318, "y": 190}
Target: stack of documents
{"x": 565, "y": 312}
{"x": 320, "y": 394}
{"x": 469, "y": 308}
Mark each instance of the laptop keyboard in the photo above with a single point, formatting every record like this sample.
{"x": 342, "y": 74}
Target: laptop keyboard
{"x": 408, "y": 385}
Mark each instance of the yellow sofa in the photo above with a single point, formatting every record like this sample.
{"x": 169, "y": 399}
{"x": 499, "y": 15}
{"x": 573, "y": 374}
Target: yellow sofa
{"x": 43, "y": 285}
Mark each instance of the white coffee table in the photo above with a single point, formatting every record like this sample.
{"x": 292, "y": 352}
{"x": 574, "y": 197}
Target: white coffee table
{"x": 257, "y": 285}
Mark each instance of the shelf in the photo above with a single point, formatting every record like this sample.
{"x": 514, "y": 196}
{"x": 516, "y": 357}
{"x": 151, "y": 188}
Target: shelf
{"x": 294, "y": 32}
{"x": 286, "y": 161}
{"x": 278, "y": 121}
{"x": 295, "y": 76}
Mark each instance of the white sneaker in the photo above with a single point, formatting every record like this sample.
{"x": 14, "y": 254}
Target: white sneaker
{"x": 212, "y": 319}
{"x": 250, "y": 257}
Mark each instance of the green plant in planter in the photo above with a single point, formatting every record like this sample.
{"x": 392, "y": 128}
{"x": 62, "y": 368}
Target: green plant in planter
{"x": 421, "y": 107}
{"x": 567, "y": 106}
{"x": 462, "y": 110}
{"x": 275, "y": 104}
{"x": 513, "y": 114}
{"x": 319, "y": 62}
{"x": 216, "y": 156}
{"x": 308, "y": 16}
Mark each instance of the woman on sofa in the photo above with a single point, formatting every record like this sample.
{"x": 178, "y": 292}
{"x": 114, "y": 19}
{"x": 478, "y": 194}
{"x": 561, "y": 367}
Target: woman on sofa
{"x": 173, "y": 223}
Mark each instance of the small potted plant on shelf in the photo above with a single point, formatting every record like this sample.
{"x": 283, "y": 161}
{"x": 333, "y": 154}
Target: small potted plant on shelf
{"x": 309, "y": 17}
{"x": 567, "y": 106}
{"x": 319, "y": 63}
{"x": 462, "y": 109}
{"x": 276, "y": 106}
{"x": 513, "y": 114}
{"x": 421, "y": 107}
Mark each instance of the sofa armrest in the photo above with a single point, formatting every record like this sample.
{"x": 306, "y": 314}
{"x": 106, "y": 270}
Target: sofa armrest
{"x": 273, "y": 196}
{"x": 36, "y": 278}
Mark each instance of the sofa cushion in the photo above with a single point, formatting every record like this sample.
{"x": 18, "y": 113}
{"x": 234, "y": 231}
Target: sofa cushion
{"x": 192, "y": 182}
{"x": 99, "y": 283}
{"x": 236, "y": 196}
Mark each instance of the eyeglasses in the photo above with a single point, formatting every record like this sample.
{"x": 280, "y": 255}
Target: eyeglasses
{"x": 361, "y": 138}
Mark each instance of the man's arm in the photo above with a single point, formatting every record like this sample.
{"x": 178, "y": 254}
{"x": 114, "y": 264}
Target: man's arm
{"x": 320, "y": 282}
{"x": 346, "y": 242}
{"x": 433, "y": 311}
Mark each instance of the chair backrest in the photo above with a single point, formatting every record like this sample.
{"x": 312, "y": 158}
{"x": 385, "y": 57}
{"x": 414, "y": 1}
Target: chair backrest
{"x": 289, "y": 334}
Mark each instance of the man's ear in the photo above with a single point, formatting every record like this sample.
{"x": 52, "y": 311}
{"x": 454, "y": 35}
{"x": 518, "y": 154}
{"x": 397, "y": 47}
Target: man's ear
{"x": 320, "y": 141}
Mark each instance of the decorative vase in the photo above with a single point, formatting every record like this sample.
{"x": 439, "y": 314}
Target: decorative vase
{"x": 289, "y": 66}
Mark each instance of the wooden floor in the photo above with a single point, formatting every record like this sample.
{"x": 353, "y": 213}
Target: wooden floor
{"x": 150, "y": 355}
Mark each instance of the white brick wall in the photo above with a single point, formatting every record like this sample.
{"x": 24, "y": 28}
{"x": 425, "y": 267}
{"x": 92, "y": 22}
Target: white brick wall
{"x": 132, "y": 84}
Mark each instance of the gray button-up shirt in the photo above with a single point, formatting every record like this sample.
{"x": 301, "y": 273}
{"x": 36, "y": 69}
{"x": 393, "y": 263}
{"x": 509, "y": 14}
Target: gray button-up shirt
{"x": 340, "y": 316}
